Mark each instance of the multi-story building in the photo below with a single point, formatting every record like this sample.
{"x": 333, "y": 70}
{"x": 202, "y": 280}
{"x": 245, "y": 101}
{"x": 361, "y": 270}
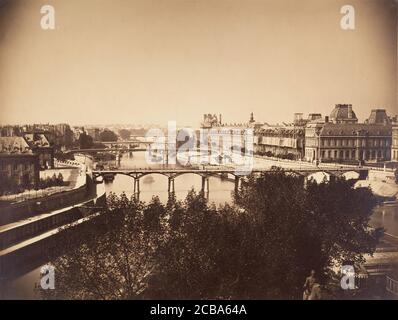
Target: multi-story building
{"x": 94, "y": 133}
{"x": 394, "y": 145}
{"x": 210, "y": 121}
{"x": 343, "y": 114}
{"x": 18, "y": 163}
{"x": 284, "y": 141}
{"x": 60, "y": 135}
{"x": 378, "y": 116}
{"x": 223, "y": 137}
{"x": 10, "y": 131}
{"x": 341, "y": 138}
{"x": 280, "y": 141}
{"x": 39, "y": 144}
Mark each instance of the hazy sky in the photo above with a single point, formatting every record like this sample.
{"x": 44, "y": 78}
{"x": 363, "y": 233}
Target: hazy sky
{"x": 138, "y": 61}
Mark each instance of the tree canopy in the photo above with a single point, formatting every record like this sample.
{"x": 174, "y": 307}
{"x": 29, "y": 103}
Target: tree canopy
{"x": 108, "y": 136}
{"x": 124, "y": 134}
{"x": 85, "y": 141}
{"x": 261, "y": 246}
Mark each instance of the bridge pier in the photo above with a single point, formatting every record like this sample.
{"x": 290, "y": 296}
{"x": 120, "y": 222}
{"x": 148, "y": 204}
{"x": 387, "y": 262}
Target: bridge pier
{"x": 136, "y": 187}
{"x": 305, "y": 181}
{"x": 167, "y": 157}
{"x": 237, "y": 183}
{"x": 118, "y": 158}
{"x": 171, "y": 187}
{"x": 205, "y": 186}
{"x": 363, "y": 175}
{"x": 332, "y": 177}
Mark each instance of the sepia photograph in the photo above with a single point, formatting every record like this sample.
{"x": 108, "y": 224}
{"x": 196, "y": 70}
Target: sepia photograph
{"x": 198, "y": 150}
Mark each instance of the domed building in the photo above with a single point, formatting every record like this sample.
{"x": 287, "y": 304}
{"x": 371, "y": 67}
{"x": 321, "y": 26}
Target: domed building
{"x": 378, "y": 116}
{"x": 340, "y": 138}
{"x": 343, "y": 113}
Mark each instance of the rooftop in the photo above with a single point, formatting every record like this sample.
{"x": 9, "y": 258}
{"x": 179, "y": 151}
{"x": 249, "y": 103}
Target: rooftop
{"x": 343, "y": 113}
{"x": 14, "y": 145}
{"x": 37, "y": 140}
{"x": 349, "y": 129}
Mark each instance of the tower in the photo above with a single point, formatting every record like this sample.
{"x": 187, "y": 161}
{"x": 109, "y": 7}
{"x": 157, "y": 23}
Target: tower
{"x": 251, "y": 118}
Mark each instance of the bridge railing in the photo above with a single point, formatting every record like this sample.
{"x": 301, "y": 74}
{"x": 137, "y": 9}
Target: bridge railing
{"x": 226, "y": 169}
{"x": 67, "y": 163}
{"x": 380, "y": 169}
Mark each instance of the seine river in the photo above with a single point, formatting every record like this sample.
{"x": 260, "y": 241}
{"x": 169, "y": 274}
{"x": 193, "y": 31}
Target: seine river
{"x": 220, "y": 192}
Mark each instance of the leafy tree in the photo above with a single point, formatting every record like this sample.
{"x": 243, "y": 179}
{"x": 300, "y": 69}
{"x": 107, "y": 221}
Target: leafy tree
{"x": 85, "y": 141}
{"x": 60, "y": 179}
{"x": 304, "y": 228}
{"x": 108, "y": 258}
{"x": 9, "y": 185}
{"x": 124, "y": 134}
{"x": 55, "y": 180}
{"x": 108, "y": 136}
{"x": 261, "y": 246}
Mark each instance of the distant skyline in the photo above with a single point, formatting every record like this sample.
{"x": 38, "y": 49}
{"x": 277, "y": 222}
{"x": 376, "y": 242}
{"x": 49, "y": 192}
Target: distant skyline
{"x": 151, "y": 61}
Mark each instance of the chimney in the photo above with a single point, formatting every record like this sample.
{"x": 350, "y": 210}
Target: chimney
{"x": 326, "y": 119}
{"x": 350, "y": 111}
{"x": 298, "y": 117}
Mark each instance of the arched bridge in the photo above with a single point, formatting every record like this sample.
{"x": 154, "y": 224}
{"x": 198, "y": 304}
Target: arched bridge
{"x": 206, "y": 173}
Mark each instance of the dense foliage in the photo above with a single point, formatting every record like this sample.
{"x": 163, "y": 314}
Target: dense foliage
{"x": 108, "y": 136}
{"x": 85, "y": 141}
{"x": 11, "y": 185}
{"x": 124, "y": 134}
{"x": 262, "y": 246}
{"x": 55, "y": 180}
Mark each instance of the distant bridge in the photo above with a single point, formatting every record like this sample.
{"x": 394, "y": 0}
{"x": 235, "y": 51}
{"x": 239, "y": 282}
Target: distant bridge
{"x": 206, "y": 173}
{"x": 124, "y": 142}
{"x": 93, "y": 150}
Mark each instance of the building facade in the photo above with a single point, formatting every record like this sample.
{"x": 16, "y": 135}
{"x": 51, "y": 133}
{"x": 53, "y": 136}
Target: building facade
{"x": 280, "y": 141}
{"x": 343, "y": 114}
{"x": 223, "y": 139}
{"x": 18, "y": 164}
{"x": 394, "y": 145}
{"x": 341, "y": 138}
{"x": 10, "y": 131}
{"x": 39, "y": 145}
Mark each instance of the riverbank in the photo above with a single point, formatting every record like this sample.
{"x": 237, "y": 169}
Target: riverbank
{"x": 381, "y": 183}
{"x": 33, "y": 239}
{"x": 29, "y": 229}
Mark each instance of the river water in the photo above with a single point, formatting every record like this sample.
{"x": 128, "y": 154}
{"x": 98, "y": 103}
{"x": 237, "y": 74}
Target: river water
{"x": 386, "y": 216}
{"x": 220, "y": 192}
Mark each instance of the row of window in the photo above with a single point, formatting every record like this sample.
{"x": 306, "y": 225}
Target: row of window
{"x": 351, "y": 154}
{"x": 16, "y": 166}
{"x": 353, "y": 142}
{"x": 395, "y": 155}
